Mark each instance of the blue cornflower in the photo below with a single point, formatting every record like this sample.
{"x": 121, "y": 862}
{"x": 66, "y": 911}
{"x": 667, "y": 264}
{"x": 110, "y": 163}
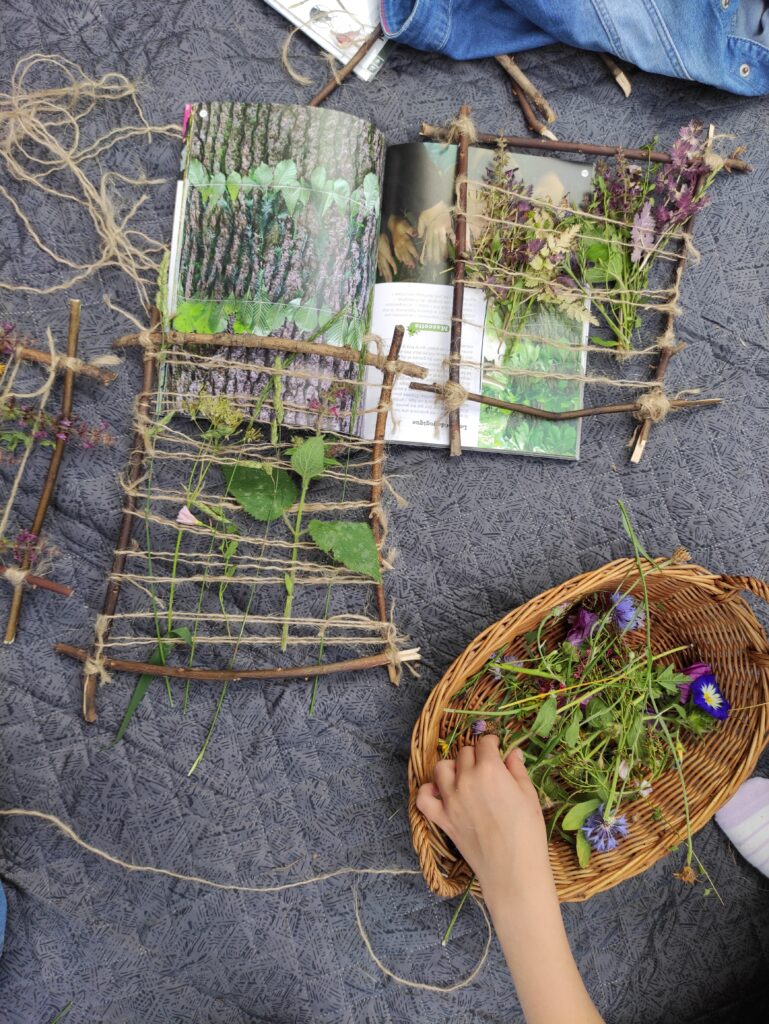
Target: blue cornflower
{"x": 625, "y": 613}
{"x": 603, "y": 834}
{"x": 706, "y": 695}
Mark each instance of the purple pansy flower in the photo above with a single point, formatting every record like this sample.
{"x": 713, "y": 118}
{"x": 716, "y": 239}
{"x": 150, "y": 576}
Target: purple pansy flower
{"x": 707, "y": 696}
{"x": 603, "y": 834}
{"x": 582, "y": 625}
{"x": 625, "y": 613}
{"x": 699, "y": 668}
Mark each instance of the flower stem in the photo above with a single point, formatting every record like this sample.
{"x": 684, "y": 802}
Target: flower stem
{"x": 210, "y": 732}
{"x": 455, "y": 915}
{"x": 291, "y": 578}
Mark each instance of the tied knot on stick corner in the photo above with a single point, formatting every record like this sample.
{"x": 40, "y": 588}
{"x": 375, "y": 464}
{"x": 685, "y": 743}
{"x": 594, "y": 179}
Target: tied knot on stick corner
{"x": 462, "y": 125}
{"x": 15, "y": 577}
{"x": 654, "y": 405}
{"x": 94, "y": 664}
{"x": 453, "y": 395}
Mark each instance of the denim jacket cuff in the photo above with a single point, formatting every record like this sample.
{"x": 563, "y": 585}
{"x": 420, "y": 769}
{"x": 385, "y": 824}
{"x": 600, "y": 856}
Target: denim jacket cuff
{"x": 425, "y": 24}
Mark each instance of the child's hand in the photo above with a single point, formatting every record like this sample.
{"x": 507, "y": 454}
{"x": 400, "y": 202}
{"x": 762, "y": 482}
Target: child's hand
{"x": 490, "y": 810}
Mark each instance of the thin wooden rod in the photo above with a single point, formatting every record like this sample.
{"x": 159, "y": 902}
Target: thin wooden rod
{"x": 570, "y": 414}
{"x": 336, "y": 80}
{"x": 30, "y": 580}
{"x": 455, "y": 344}
{"x": 46, "y": 494}
{"x": 34, "y": 355}
{"x": 527, "y": 87}
{"x": 127, "y": 520}
{"x": 377, "y": 470}
{"x": 432, "y": 131}
{"x": 534, "y": 123}
{"x": 235, "y": 675}
{"x": 311, "y": 348}
{"x": 617, "y": 73}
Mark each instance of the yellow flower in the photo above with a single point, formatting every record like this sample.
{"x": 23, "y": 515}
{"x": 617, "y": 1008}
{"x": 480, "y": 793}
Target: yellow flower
{"x": 443, "y": 747}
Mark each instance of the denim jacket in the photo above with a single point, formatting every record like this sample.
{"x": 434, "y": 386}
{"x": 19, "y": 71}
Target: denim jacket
{"x": 720, "y": 42}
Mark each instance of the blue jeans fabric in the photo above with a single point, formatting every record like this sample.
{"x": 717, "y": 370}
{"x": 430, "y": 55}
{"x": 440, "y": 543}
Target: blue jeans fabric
{"x": 724, "y": 43}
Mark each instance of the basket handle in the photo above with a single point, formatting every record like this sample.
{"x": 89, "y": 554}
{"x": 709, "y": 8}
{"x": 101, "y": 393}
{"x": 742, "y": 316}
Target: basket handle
{"x": 757, "y": 587}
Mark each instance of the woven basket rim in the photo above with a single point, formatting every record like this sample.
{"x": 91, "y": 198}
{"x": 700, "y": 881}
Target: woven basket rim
{"x": 716, "y": 590}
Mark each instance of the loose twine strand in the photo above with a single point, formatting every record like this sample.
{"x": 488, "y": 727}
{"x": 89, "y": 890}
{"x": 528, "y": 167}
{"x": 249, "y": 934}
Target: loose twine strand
{"x": 148, "y": 869}
{"x": 41, "y": 135}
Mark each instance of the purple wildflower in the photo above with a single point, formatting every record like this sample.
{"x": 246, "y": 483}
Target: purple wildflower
{"x": 707, "y": 696}
{"x": 478, "y": 727}
{"x": 582, "y": 625}
{"x": 602, "y": 833}
{"x": 625, "y": 613}
{"x": 642, "y": 232}
{"x": 699, "y": 668}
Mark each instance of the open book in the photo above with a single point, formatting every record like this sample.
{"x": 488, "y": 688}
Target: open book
{"x": 290, "y": 222}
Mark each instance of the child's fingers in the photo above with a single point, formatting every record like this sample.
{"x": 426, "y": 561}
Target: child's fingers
{"x": 487, "y": 749}
{"x": 445, "y": 775}
{"x": 431, "y": 806}
{"x": 465, "y": 758}
{"x": 515, "y": 765}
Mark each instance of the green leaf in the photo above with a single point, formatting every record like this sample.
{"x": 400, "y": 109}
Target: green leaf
{"x": 350, "y": 544}
{"x": 545, "y": 719}
{"x": 583, "y": 850}
{"x": 577, "y": 815}
{"x": 263, "y": 493}
{"x": 598, "y": 715}
{"x": 284, "y": 173}
{"x": 261, "y": 175}
{"x": 158, "y": 657}
{"x": 289, "y": 581}
{"x": 318, "y": 178}
{"x": 307, "y": 458}
{"x": 191, "y": 317}
{"x": 196, "y": 173}
{"x": 341, "y": 193}
{"x": 233, "y": 185}
{"x": 215, "y": 188}
{"x": 571, "y": 733}
{"x": 371, "y": 189}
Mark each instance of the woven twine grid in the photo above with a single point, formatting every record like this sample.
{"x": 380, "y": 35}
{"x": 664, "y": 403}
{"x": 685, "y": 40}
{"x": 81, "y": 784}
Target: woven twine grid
{"x": 687, "y": 605}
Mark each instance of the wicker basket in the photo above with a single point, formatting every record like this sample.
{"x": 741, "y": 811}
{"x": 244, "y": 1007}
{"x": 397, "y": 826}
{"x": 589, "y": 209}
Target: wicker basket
{"x": 688, "y": 605}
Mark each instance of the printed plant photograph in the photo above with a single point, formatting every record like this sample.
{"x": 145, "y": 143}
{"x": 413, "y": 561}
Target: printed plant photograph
{"x": 279, "y": 235}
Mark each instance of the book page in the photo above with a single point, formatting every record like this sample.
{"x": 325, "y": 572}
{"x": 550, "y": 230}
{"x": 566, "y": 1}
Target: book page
{"x": 340, "y": 27}
{"x": 275, "y": 234}
{"x": 414, "y": 272}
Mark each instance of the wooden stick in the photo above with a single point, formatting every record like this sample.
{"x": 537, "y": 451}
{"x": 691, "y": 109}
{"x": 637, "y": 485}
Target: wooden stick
{"x": 311, "y": 348}
{"x": 535, "y": 125}
{"x": 216, "y": 675}
{"x": 527, "y": 87}
{"x": 569, "y": 414}
{"x": 641, "y": 435}
{"x": 455, "y": 345}
{"x": 46, "y": 494}
{"x": 377, "y": 469}
{"x": 34, "y": 355}
{"x": 42, "y": 583}
{"x": 432, "y": 131}
{"x": 336, "y": 80}
{"x": 127, "y": 520}
{"x": 617, "y": 73}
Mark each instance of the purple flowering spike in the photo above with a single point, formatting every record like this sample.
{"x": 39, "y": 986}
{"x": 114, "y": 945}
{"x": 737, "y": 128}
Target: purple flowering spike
{"x": 642, "y": 232}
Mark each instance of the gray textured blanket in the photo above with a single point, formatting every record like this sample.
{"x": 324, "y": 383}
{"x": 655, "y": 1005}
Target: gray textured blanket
{"x": 282, "y": 796}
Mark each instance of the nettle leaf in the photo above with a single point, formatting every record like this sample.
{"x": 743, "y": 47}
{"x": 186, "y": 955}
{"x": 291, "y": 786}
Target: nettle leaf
{"x": 350, "y": 544}
{"x": 196, "y": 173}
{"x": 264, "y": 492}
{"x": 234, "y": 181}
{"x": 577, "y": 815}
{"x": 308, "y": 458}
{"x": 546, "y": 715}
{"x": 583, "y": 850}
